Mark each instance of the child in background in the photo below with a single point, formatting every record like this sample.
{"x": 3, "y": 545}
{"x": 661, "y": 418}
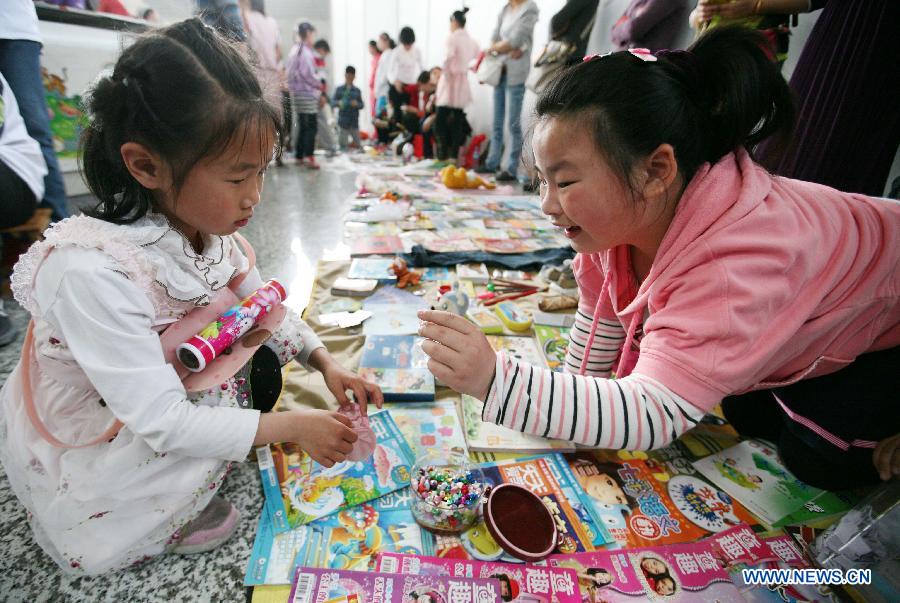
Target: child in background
{"x": 348, "y": 100}
{"x": 375, "y": 53}
{"x": 403, "y": 71}
{"x": 702, "y": 278}
{"x": 176, "y": 152}
{"x": 324, "y": 123}
{"x": 306, "y": 90}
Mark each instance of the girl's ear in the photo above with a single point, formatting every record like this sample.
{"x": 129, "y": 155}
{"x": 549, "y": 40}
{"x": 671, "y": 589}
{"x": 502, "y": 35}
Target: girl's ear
{"x": 145, "y": 166}
{"x": 661, "y": 170}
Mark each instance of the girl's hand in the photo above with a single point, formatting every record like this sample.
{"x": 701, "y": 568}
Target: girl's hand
{"x": 887, "y": 457}
{"x": 460, "y": 355}
{"x": 339, "y": 380}
{"x": 324, "y": 434}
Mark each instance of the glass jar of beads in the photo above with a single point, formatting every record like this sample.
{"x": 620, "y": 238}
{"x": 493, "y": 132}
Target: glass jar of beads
{"x": 447, "y": 492}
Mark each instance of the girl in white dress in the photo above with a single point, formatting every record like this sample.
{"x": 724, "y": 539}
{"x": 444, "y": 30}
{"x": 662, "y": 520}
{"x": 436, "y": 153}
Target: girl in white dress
{"x": 113, "y": 459}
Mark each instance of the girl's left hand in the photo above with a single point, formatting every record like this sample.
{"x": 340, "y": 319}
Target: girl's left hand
{"x": 339, "y": 380}
{"x": 460, "y": 355}
{"x": 887, "y": 457}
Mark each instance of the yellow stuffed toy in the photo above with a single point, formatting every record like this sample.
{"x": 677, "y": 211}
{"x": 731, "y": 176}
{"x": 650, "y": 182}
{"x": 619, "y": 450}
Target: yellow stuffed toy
{"x": 454, "y": 177}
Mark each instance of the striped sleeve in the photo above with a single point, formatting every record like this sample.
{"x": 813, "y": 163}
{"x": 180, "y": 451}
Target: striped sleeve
{"x": 608, "y": 340}
{"x": 633, "y": 413}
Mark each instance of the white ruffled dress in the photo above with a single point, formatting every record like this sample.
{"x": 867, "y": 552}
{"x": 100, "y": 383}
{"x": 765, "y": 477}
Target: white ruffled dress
{"x": 99, "y": 301}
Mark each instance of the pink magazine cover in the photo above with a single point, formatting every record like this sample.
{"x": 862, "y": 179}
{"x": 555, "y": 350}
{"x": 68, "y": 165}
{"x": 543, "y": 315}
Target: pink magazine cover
{"x": 679, "y": 573}
{"x": 518, "y": 582}
{"x": 314, "y": 585}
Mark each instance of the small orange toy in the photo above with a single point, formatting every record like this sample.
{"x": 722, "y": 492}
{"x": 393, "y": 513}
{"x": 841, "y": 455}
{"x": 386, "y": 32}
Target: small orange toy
{"x": 404, "y": 275}
{"x": 390, "y": 196}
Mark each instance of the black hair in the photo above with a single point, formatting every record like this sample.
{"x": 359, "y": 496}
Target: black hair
{"x": 424, "y": 77}
{"x": 391, "y": 43}
{"x": 723, "y": 93}
{"x": 350, "y": 69}
{"x": 145, "y": 14}
{"x": 407, "y": 35}
{"x": 373, "y": 44}
{"x": 183, "y": 92}
{"x": 322, "y": 44}
{"x": 258, "y": 6}
{"x": 304, "y": 28}
{"x": 460, "y": 16}
{"x": 506, "y": 579}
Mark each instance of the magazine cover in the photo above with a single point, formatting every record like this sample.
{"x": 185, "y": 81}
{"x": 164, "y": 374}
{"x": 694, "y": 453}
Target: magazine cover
{"x": 311, "y": 585}
{"x": 372, "y": 268}
{"x": 553, "y": 342}
{"x": 679, "y": 573}
{"x": 400, "y": 319}
{"x": 299, "y": 490}
{"x": 376, "y": 245}
{"x": 484, "y": 436}
{"x": 752, "y": 473}
{"x": 429, "y": 425}
{"x": 273, "y": 556}
{"x": 521, "y": 349}
{"x": 399, "y": 366}
{"x": 653, "y": 499}
{"x": 518, "y": 582}
{"x": 784, "y": 555}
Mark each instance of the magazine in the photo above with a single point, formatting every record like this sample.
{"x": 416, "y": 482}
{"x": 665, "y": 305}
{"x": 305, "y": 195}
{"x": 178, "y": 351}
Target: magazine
{"x": 399, "y": 366}
{"x": 299, "y": 490}
{"x": 518, "y": 582}
{"x": 553, "y": 342}
{"x": 429, "y": 425}
{"x": 483, "y": 436}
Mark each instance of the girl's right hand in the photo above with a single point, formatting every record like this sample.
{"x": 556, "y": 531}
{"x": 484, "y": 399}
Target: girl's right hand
{"x": 324, "y": 434}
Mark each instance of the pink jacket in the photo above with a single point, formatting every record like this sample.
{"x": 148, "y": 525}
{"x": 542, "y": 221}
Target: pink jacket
{"x": 760, "y": 281}
{"x": 453, "y": 87}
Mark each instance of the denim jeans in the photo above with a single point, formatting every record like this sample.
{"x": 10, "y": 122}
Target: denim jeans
{"x": 305, "y": 145}
{"x": 506, "y": 95}
{"x": 20, "y": 64}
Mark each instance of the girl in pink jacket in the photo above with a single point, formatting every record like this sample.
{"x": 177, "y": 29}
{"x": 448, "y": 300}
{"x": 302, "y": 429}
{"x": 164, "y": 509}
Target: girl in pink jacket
{"x": 702, "y": 278}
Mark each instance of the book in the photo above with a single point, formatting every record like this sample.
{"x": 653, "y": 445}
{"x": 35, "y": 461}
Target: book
{"x": 399, "y": 366}
{"x": 299, "y": 490}
{"x": 521, "y": 349}
{"x": 752, "y": 473}
{"x": 398, "y": 319}
{"x": 477, "y": 273}
{"x": 712, "y": 434}
{"x": 553, "y": 342}
{"x": 314, "y": 585}
{"x": 518, "y": 582}
{"x": 353, "y": 287}
{"x": 436, "y": 273}
{"x": 429, "y": 425}
{"x": 372, "y": 268}
{"x": 489, "y": 437}
{"x": 653, "y": 499}
{"x": 377, "y": 245}
{"x": 679, "y": 573}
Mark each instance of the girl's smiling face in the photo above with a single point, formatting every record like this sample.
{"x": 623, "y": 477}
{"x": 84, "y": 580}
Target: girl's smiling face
{"x": 584, "y": 196}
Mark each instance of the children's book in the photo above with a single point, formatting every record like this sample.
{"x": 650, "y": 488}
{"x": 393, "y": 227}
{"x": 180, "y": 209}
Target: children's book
{"x": 436, "y": 273}
{"x": 752, "y": 473}
{"x": 390, "y": 296}
{"x": 518, "y": 582}
{"x": 299, "y": 490}
{"x": 399, "y": 319}
{"x": 399, "y": 366}
{"x": 273, "y": 557}
{"x": 486, "y": 436}
{"x": 521, "y": 349}
{"x": 372, "y": 268}
{"x": 313, "y": 585}
{"x": 712, "y": 434}
{"x": 650, "y": 500}
{"x": 377, "y": 245}
{"x": 553, "y": 342}
{"x": 339, "y": 305}
{"x": 429, "y": 425}
{"x": 353, "y": 287}
{"x": 507, "y": 245}
{"x": 679, "y": 573}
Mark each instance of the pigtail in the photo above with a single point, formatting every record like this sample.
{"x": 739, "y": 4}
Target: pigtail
{"x": 740, "y": 90}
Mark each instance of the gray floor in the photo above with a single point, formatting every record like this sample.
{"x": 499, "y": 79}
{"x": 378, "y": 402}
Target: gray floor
{"x": 298, "y": 221}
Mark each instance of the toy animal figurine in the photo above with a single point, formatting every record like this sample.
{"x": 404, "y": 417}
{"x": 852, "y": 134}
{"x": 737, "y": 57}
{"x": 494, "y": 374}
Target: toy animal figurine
{"x": 455, "y": 301}
{"x": 404, "y": 275}
{"x": 454, "y": 177}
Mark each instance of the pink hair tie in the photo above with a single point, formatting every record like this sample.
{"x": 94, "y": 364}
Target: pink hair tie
{"x": 591, "y": 57}
{"x": 643, "y": 54}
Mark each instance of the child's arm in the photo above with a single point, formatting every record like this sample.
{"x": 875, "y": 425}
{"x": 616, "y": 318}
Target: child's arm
{"x": 631, "y": 413}
{"x": 326, "y": 435}
{"x": 608, "y": 340}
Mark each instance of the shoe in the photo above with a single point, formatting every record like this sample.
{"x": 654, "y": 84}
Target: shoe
{"x": 209, "y": 530}
{"x": 8, "y": 332}
{"x": 310, "y": 162}
{"x": 504, "y": 176}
